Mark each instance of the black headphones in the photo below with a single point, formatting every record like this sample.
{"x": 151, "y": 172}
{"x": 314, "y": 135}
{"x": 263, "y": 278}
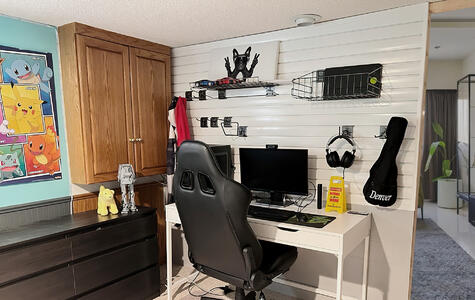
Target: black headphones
{"x": 333, "y": 159}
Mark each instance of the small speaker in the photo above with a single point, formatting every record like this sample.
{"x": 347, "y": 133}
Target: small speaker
{"x": 319, "y": 196}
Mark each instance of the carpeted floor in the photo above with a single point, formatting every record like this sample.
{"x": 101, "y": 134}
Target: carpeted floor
{"x": 442, "y": 269}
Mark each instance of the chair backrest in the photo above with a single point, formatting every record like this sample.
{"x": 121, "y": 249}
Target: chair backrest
{"x": 213, "y": 212}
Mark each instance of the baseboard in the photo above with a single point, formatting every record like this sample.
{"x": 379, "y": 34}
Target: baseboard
{"x": 22, "y": 214}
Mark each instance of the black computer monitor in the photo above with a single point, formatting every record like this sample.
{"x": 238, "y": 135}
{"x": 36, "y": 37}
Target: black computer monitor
{"x": 278, "y": 171}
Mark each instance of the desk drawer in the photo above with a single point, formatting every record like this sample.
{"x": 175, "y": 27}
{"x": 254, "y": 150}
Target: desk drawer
{"x": 143, "y": 285}
{"x": 104, "y": 238}
{"x": 27, "y": 260}
{"x": 53, "y": 285}
{"x": 106, "y": 268}
{"x": 298, "y": 238}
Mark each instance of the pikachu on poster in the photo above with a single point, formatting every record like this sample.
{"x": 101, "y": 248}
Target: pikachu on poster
{"x": 22, "y": 108}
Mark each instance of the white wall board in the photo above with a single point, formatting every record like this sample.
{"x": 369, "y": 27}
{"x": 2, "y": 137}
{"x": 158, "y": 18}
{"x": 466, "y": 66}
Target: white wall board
{"x": 395, "y": 38}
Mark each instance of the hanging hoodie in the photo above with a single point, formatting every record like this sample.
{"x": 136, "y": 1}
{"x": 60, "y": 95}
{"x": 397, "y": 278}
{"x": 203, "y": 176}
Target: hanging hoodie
{"x": 181, "y": 119}
{"x": 178, "y": 132}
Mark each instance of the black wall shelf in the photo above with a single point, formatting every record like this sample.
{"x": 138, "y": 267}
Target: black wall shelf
{"x": 251, "y": 84}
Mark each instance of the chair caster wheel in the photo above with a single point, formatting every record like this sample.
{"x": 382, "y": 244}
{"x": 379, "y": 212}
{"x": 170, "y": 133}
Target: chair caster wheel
{"x": 262, "y": 296}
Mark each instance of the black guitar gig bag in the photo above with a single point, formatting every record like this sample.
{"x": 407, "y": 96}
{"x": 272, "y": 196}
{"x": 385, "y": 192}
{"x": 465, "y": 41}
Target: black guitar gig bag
{"x": 381, "y": 187}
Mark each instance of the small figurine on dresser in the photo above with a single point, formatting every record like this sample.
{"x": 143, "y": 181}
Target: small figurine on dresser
{"x": 106, "y": 202}
{"x": 126, "y": 177}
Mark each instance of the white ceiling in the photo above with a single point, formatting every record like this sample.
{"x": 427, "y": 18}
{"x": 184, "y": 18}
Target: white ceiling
{"x": 182, "y": 22}
{"x": 467, "y": 14}
{"x": 454, "y": 32}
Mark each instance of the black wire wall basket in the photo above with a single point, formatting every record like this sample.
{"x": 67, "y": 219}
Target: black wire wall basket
{"x": 352, "y": 82}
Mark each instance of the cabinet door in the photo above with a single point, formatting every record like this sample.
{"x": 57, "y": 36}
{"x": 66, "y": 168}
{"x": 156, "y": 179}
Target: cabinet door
{"x": 150, "y": 98}
{"x": 104, "y": 78}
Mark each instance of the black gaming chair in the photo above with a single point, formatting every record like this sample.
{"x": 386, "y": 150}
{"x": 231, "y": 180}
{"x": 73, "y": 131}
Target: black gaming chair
{"x": 213, "y": 212}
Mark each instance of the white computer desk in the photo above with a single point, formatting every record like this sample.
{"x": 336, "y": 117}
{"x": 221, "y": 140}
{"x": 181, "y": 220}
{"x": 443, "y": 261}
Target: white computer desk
{"x": 340, "y": 237}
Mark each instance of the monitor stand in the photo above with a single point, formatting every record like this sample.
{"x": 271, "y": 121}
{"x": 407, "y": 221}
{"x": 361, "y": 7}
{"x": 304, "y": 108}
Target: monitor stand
{"x": 276, "y": 198}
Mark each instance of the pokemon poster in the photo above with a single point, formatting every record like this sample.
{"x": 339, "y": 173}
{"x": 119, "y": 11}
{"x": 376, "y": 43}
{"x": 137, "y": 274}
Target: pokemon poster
{"x": 29, "y": 137}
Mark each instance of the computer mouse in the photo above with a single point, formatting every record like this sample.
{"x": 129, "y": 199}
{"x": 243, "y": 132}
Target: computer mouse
{"x": 302, "y": 218}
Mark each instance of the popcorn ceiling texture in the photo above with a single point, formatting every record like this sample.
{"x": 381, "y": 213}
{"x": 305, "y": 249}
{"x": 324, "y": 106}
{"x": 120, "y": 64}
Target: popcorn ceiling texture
{"x": 181, "y": 22}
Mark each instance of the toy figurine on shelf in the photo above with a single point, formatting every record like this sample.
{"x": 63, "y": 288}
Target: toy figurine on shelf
{"x": 126, "y": 177}
{"x": 105, "y": 202}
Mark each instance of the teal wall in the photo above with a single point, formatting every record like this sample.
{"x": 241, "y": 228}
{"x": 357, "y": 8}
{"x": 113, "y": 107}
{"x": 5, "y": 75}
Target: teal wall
{"x": 32, "y": 36}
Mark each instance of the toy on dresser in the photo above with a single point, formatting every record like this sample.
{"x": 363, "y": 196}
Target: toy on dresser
{"x": 126, "y": 177}
{"x": 106, "y": 202}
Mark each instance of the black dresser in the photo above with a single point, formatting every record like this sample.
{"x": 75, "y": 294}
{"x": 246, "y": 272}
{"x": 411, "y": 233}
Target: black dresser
{"x": 82, "y": 256}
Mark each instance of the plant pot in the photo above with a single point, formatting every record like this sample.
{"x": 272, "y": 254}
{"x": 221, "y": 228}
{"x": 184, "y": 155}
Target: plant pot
{"x": 447, "y": 193}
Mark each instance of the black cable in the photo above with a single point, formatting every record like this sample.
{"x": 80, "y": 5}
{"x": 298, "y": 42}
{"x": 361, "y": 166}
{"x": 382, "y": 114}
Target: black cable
{"x": 313, "y": 198}
{"x": 300, "y": 200}
{"x": 205, "y": 292}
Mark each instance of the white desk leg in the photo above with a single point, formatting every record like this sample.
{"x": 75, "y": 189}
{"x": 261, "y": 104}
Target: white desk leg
{"x": 169, "y": 260}
{"x": 365, "y": 269}
{"x": 339, "y": 276}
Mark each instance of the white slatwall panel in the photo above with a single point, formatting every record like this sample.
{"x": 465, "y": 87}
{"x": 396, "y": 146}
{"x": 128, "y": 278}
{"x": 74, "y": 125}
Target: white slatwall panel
{"x": 395, "y": 38}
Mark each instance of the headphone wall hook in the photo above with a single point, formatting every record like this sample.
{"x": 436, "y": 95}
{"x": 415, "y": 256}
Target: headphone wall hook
{"x": 346, "y": 130}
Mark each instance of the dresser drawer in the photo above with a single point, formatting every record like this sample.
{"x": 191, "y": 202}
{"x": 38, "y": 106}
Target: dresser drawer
{"x": 114, "y": 265}
{"x": 143, "y": 285}
{"x": 297, "y": 237}
{"x": 105, "y": 238}
{"x": 53, "y": 285}
{"x": 27, "y": 260}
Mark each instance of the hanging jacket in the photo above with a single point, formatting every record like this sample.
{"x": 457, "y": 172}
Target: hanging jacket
{"x": 181, "y": 119}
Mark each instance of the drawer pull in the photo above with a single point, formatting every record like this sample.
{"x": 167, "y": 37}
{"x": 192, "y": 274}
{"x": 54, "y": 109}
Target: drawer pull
{"x": 287, "y": 229}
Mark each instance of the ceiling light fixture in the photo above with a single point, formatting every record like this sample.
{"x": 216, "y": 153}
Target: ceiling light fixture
{"x": 306, "y": 19}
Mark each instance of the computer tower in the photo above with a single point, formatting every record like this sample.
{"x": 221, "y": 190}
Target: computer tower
{"x": 224, "y": 158}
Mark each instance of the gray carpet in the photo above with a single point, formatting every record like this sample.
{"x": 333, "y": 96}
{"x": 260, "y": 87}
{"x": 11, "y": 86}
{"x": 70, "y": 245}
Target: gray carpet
{"x": 442, "y": 269}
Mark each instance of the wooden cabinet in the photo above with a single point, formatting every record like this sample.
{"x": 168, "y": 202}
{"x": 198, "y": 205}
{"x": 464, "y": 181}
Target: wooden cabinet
{"x": 150, "y": 90}
{"x": 116, "y": 93}
{"x": 106, "y": 116}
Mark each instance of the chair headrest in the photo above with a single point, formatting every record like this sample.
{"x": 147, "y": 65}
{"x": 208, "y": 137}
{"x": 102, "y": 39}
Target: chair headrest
{"x": 197, "y": 157}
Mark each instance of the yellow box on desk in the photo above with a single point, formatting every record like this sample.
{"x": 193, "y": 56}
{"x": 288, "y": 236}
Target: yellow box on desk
{"x": 336, "y": 199}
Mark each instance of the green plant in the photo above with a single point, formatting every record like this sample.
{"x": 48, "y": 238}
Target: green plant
{"x": 446, "y": 170}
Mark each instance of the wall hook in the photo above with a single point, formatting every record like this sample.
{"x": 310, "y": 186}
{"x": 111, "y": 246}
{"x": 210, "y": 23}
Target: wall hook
{"x": 382, "y": 133}
{"x": 346, "y": 130}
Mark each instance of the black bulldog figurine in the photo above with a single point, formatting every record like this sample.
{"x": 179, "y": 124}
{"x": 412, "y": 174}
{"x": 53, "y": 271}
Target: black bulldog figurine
{"x": 240, "y": 64}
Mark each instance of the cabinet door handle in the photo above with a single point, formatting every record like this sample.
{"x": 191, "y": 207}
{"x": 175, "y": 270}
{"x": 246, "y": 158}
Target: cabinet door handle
{"x": 138, "y": 139}
{"x": 131, "y": 140}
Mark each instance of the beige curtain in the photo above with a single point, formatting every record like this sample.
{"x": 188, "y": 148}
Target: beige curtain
{"x": 441, "y": 107}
